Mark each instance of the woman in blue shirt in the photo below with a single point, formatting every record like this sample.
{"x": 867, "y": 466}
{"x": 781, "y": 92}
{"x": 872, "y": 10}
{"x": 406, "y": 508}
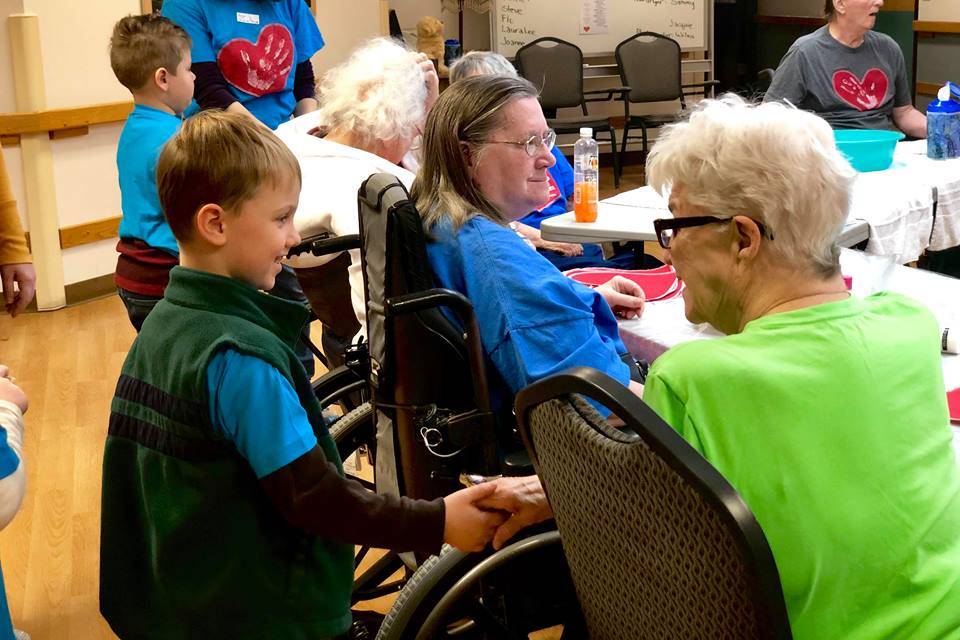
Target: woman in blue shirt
{"x": 486, "y": 155}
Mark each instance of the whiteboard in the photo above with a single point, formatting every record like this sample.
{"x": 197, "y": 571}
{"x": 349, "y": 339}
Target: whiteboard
{"x": 514, "y": 23}
{"x": 939, "y": 10}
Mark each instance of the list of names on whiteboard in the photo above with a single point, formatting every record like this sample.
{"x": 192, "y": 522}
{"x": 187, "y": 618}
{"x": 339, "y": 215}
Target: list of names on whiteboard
{"x": 515, "y": 28}
{"x": 678, "y": 27}
{"x": 597, "y": 26}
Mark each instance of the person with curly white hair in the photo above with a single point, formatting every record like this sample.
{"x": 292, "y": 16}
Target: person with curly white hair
{"x": 826, "y": 411}
{"x": 372, "y": 110}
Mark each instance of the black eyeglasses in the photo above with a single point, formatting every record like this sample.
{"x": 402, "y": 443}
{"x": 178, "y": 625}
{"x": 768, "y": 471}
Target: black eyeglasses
{"x": 667, "y": 228}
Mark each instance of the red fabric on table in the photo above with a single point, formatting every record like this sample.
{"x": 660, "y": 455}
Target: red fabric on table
{"x": 656, "y": 283}
{"x": 953, "y": 404}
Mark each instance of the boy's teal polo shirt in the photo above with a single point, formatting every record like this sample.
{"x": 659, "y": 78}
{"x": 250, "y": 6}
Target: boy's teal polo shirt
{"x": 143, "y": 136}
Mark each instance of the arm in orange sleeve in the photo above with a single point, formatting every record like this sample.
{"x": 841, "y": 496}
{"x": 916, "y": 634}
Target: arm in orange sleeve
{"x": 13, "y": 243}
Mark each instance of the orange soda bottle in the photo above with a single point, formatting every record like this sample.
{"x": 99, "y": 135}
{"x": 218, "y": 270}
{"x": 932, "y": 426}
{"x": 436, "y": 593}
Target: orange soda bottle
{"x": 586, "y": 177}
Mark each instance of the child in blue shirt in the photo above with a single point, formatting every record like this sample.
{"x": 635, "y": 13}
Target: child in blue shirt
{"x": 251, "y": 56}
{"x": 225, "y": 513}
{"x": 150, "y": 56}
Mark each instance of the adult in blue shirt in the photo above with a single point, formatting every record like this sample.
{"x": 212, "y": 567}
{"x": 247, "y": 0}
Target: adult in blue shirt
{"x": 251, "y": 56}
{"x": 563, "y": 255}
{"x": 486, "y": 155}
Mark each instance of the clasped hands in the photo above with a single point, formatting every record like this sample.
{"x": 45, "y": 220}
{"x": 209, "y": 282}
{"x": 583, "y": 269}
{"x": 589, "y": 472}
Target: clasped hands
{"x": 494, "y": 511}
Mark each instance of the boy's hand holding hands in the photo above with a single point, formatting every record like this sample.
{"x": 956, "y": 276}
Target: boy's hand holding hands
{"x": 467, "y": 526}
{"x": 494, "y": 510}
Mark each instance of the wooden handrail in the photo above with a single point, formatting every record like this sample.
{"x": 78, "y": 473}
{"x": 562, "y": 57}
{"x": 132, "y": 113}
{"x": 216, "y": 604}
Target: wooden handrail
{"x": 926, "y": 26}
{"x": 14, "y": 124}
{"x": 87, "y": 232}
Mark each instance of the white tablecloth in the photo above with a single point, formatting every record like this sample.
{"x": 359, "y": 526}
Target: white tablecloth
{"x": 943, "y": 178}
{"x": 898, "y": 207}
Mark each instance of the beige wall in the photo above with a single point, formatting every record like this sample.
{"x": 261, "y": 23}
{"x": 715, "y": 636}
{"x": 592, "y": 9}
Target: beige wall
{"x": 7, "y": 101}
{"x": 74, "y": 37}
{"x": 344, "y": 30}
{"x": 940, "y": 10}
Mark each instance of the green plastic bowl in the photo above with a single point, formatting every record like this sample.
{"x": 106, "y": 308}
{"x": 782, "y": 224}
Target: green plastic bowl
{"x": 868, "y": 149}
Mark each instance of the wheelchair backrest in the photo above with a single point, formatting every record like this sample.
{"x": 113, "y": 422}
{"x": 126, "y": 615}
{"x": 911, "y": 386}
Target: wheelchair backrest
{"x": 421, "y": 369}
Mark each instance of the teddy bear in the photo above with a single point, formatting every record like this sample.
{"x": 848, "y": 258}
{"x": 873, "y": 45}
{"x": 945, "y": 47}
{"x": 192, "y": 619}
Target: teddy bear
{"x": 430, "y": 41}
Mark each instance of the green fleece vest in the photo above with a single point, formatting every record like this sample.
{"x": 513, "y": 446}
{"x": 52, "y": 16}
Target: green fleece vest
{"x": 191, "y": 547}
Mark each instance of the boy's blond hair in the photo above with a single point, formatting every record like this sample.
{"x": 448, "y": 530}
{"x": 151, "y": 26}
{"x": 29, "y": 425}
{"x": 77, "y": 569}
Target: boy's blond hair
{"x": 142, "y": 44}
{"x": 219, "y": 158}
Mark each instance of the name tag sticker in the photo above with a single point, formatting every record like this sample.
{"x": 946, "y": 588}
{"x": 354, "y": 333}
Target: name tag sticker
{"x": 248, "y": 18}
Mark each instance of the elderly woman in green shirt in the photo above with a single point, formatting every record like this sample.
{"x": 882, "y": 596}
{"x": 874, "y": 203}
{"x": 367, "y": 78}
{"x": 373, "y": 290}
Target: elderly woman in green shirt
{"x": 826, "y": 411}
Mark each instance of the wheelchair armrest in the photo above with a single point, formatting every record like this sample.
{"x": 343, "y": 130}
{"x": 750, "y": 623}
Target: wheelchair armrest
{"x": 325, "y": 244}
{"x": 461, "y": 305}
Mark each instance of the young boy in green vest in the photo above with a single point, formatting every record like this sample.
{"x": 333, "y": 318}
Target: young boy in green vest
{"x": 225, "y": 509}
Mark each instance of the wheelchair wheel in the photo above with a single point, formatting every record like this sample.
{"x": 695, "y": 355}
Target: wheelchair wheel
{"x": 522, "y": 588}
{"x": 341, "y": 387}
{"x": 355, "y": 433}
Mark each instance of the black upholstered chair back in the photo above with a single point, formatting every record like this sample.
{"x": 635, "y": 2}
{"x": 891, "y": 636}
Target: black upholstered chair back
{"x": 422, "y": 368}
{"x": 657, "y": 541}
{"x": 649, "y": 63}
{"x": 555, "y": 67}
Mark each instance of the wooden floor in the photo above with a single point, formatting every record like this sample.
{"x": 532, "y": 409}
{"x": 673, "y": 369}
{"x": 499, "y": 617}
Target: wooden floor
{"x": 68, "y": 362}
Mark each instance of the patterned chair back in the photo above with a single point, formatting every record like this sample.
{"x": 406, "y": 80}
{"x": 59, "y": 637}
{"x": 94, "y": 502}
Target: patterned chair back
{"x": 659, "y": 544}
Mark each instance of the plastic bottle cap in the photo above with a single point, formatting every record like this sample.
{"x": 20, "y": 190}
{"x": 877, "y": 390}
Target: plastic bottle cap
{"x": 949, "y": 341}
{"x": 586, "y": 132}
{"x": 943, "y": 94}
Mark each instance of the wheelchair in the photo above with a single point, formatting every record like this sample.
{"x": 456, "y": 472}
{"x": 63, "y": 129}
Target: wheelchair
{"x": 435, "y": 426}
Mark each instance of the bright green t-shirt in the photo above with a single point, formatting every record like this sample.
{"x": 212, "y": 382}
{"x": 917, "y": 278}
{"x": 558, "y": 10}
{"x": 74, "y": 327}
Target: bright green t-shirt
{"x": 831, "y": 422}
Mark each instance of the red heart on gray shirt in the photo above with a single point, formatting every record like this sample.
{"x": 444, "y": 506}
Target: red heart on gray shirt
{"x": 261, "y": 68}
{"x": 862, "y": 95}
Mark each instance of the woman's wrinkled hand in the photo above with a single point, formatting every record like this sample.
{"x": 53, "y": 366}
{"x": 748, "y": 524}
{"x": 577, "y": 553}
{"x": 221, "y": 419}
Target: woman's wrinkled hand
{"x": 624, "y": 296}
{"x": 563, "y": 248}
{"x": 523, "y": 499}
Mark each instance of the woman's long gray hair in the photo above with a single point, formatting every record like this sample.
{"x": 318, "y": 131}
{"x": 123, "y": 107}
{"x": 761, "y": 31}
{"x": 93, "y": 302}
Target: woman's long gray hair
{"x": 470, "y": 112}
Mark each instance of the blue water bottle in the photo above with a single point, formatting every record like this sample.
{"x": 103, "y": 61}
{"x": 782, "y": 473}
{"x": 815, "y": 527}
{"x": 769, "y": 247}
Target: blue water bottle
{"x": 943, "y": 125}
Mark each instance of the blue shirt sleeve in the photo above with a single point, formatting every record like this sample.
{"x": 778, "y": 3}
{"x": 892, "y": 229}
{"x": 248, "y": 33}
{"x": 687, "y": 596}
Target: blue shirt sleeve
{"x": 563, "y": 173}
{"x": 258, "y": 410}
{"x": 306, "y": 34}
{"x": 534, "y": 321}
{"x": 8, "y": 457}
{"x": 189, "y": 15}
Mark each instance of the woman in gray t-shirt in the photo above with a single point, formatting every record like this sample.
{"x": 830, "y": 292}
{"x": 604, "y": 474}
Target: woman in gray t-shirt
{"x": 853, "y": 77}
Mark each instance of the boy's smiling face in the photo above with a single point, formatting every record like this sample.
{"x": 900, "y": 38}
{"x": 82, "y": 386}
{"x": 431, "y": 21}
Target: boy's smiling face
{"x": 261, "y": 232}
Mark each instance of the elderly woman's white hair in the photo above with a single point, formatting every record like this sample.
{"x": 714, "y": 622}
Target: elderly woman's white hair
{"x": 772, "y": 162}
{"x": 377, "y": 94}
{"x": 477, "y": 63}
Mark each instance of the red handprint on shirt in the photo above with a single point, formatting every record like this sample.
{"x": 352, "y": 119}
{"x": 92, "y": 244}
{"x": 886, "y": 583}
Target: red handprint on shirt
{"x": 261, "y": 68}
{"x": 862, "y": 95}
